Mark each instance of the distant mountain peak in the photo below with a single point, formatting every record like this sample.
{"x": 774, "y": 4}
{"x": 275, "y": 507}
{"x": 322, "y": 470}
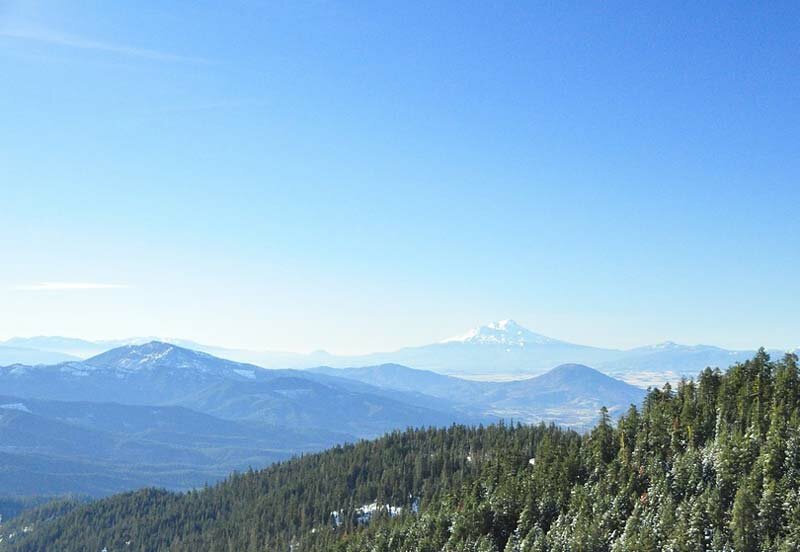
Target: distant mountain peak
{"x": 153, "y": 354}
{"x": 587, "y": 380}
{"x": 665, "y": 345}
{"x": 572, "y": 373}
{"x": 573, "y": 368}
{"x": 503, "y": 332}
{"x": 671, "y": 346}
{"x": 130, "y": 356}
{"x": 153, "y": 347}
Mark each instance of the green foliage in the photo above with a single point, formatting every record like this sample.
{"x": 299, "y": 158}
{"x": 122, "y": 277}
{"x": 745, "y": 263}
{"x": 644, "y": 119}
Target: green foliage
{"x": 712, "y": 464}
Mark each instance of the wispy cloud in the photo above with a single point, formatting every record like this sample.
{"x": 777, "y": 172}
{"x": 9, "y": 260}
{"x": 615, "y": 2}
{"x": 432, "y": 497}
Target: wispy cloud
{"x": 71, "y": 41}
{"x": 67, "y": 286}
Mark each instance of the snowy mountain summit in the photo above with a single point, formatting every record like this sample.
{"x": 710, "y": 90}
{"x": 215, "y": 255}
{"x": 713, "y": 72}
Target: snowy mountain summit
{"x": 505, "y": 332}
{"x": 157, "y": 356}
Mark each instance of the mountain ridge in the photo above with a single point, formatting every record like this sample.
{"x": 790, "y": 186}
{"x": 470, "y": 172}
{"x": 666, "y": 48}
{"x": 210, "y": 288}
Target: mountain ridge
{"x": 495, "y": 350}
{"x": 164, "y": 373}
{"x": 569, "y": 394}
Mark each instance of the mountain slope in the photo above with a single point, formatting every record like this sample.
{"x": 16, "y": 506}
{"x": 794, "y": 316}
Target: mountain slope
{"x": 701, "y": 467}
{"x": 178, "y": 418}
{"x": 163, "y": 374}
{"x": 570, "y": 394}
{"x": 175, "y": 417}
{"x": 385, "y": 397}
{"x": 10, "y": 354}
{"x": 572, "y": 382}
{"x": 412, "y": 380}
{"x": 319, "y": 495}
{"x": 301, "y": 402}
{"x": 53, "y": 447}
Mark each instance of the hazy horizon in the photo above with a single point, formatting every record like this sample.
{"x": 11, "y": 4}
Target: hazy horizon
{"x": 187, "y": 342}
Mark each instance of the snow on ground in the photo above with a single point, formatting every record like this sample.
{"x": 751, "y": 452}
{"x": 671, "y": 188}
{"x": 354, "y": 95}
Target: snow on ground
{"x": 15, "y": 406}
{"x": 364, "y": 513}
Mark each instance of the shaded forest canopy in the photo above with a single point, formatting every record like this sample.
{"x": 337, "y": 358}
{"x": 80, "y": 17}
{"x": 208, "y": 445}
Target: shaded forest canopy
{"x": 710, "y": 464}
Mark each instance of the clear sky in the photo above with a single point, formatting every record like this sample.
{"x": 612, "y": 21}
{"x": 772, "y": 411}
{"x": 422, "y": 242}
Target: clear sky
{"x": 360, "y": 176}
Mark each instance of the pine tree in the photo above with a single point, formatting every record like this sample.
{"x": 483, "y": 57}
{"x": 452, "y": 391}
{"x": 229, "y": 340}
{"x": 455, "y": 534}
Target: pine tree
{"x": 744, "y": 527}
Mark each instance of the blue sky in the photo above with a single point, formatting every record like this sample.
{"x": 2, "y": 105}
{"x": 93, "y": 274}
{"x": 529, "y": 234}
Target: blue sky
{"x": 363, "y": 176}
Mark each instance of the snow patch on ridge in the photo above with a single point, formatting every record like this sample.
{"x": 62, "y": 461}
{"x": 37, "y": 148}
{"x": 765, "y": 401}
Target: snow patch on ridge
{"x": 15, "y": 406}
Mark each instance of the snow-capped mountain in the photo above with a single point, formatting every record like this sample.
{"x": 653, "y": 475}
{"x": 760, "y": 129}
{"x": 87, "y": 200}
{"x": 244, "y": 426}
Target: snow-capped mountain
{"x": 506, "y": 333}
{"x": 495, "y": 350}
{"x": 157, "y": 355}
{"x": 506, "y": 348}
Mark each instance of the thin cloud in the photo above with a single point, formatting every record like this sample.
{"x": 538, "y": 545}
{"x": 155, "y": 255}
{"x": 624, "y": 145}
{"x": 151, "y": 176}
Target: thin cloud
{"x": 71, "y": 41}
{"x": 68, "y": 286}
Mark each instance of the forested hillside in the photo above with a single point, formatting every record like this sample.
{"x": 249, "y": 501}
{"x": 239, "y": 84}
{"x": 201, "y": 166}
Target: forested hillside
{"x": 713, "y": 464}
